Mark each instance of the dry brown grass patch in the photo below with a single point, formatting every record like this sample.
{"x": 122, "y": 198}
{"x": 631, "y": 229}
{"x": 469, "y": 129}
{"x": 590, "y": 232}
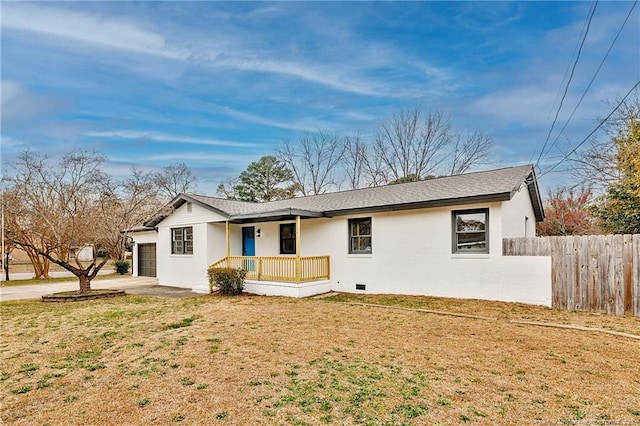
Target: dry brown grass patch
{"x": 255, "y": 360}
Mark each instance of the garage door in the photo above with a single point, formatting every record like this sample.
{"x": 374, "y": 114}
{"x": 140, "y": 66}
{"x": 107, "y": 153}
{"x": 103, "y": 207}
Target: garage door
{"x": 147, "y": 260}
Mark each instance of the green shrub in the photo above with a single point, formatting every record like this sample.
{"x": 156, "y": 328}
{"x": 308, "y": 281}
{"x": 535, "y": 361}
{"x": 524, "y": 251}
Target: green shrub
{"x": 122, "y": 267}
{"x": 230, "y": 281}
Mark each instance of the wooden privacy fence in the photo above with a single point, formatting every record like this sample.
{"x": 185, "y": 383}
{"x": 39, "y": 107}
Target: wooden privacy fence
{"x": 598, "y": 273}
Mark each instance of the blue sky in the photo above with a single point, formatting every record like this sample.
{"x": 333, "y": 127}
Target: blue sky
{"x": 217, "y": 85}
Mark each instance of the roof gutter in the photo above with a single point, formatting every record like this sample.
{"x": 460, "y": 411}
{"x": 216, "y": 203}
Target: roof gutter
{"x": 503, "y": 196}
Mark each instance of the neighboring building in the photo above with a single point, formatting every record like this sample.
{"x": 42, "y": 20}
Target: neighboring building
{"x": 82, "y": 253}
{"x": 439, "y": 237}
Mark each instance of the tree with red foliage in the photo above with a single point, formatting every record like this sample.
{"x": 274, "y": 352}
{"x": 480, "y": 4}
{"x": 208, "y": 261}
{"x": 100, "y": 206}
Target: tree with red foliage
{"x": 567, "y": 212}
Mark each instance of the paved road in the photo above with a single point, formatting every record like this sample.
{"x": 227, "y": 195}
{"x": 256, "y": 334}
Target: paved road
{"x": 35, "y": 291}
{"x": 52, "y": 274}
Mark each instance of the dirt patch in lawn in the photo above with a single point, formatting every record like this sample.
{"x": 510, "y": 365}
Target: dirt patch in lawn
{"x": 263, "y": 361}
{"x": 76, "y": 296}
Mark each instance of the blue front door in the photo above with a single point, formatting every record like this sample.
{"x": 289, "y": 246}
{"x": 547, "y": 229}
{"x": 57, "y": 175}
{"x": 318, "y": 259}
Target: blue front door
{"x": 248, "y": 248}
{"x": 248, "y": 241}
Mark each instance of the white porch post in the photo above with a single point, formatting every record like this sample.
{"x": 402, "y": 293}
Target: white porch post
{"x": 228, "y": 244}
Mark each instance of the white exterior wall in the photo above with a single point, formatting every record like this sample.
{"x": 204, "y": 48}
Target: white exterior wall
{"x": 144, "y": 237}
{"x": 190, "y": 270}
{"x": 518, "y": 218}
{"x": 267, "y": 244}
{"x": 272, "y": 288}
{"x": 412, "y": 254}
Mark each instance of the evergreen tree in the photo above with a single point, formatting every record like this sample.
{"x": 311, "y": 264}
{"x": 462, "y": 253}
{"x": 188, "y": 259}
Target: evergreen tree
{"x": 264, "y": 180}
{"x": 619, "y": 209}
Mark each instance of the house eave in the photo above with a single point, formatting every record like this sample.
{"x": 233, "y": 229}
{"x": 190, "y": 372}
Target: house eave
{"x": 176, "y": 203}
{"x": 534, "y": 193}
{"x": 504, "y": 196}
{"x": 275, "y": 215}
{"x": 139, "y": 229}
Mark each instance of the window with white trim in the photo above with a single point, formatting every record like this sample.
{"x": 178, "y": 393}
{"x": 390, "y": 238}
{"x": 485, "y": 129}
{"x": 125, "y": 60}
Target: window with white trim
{"x": 182, "y": 240}
{"x": 360, "y": 240}
{"x": 471, "y": 231}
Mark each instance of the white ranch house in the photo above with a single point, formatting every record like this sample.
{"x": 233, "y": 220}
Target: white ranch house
{"x": 439, "y": 237}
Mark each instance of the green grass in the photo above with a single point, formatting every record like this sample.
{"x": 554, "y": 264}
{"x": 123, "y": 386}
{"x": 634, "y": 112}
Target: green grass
{"x": 184, "y": 323}
{"x": 53, "y": 280}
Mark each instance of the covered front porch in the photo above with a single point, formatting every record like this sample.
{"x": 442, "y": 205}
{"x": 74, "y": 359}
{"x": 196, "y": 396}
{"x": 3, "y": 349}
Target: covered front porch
{"x": 280, "y": 268}
{"x": 287, "y": 274}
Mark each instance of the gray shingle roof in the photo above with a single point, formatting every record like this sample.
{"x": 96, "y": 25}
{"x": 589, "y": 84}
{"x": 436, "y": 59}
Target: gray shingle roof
{"x": 492, "y": 185}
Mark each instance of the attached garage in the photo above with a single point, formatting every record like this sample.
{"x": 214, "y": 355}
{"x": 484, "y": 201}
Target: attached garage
{"x": 147, "y": 260}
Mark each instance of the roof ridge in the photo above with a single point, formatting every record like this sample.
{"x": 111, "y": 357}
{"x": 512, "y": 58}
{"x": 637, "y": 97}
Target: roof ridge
{"x": 399, "y": 184}
{"x": 466, "y": 187}
{"x": 224, "y": 199}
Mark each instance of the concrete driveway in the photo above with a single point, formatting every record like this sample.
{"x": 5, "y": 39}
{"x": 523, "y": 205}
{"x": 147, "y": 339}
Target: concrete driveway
{"x": 133, "y": 285}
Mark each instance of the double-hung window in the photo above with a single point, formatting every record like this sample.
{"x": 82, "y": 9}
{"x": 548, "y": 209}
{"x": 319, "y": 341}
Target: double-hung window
{"x": 360, "y": 236}
{"x": 471, "y": 231}
{"x": 182, "y": 240}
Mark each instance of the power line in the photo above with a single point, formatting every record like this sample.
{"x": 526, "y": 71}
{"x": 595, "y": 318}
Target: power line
{"x": 564, "y": 79}
{"x": 566, "y": 88}
{"x": 565, "y": 157}
{"x": 594, "y": 76}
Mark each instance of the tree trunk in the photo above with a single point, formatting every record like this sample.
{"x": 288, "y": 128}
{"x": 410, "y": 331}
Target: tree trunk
{"x": 45, "y": 267}
{"x": 85, "y": 284}
{"x": 5, "y": 264}
{"x": 40, "y": 264}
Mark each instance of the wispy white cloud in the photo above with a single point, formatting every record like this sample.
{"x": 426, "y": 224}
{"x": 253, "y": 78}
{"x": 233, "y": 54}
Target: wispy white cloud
{"x": 204, "y": 157}
{"x": 21, "y": 106}
{"x": 304, "y": 125}
{"x": 209, "y": 50}
{"x": 314, "y": 73}
{"x": 167, "y": 138}
{"x": 9, "y": 90}
{"x": 86, "y": 28}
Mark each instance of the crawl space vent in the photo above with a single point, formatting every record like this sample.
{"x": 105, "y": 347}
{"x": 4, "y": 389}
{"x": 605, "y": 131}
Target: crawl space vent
{"x": 361, "y": 286}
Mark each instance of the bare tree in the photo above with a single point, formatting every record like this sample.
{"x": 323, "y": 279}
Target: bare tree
{"x": 24, "y": 233}
{"x": 174, "y": 180}
{"x": 58, "y": 208}
{"x": 227, "y": 189}
{"x": 597, "y": 164}
{"x": 129, "y": 204}
{"x": 469, "y": 150}
{"x": 355, "y": 161}
{"x": 314, "y": 161}
{"x": 409, "y": 144}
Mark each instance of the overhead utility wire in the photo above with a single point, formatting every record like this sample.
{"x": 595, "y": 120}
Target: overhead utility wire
{"x": 566, "y": 88}
{"x": 595, "y": 75}
{"x": 564, "y": 158}
{"x": 564, "y": 79}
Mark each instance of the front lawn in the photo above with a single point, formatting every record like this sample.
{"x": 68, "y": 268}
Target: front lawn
{"x": 255, "y": 360}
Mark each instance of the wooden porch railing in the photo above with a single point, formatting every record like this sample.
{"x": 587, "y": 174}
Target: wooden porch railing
{"x": 279, "y": 268}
